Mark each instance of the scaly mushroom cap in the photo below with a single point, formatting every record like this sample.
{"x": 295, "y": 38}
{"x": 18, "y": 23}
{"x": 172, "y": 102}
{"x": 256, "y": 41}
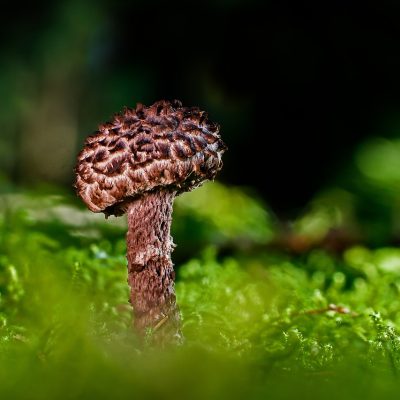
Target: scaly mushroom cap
{"x": 162, "y": 146}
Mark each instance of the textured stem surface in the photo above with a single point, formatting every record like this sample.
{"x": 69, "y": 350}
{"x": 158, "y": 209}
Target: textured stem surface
{"x": 150, "y": 270}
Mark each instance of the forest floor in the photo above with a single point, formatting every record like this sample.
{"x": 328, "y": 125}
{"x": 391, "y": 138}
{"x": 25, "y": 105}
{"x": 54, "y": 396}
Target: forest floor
{"x": 258, "y": 320}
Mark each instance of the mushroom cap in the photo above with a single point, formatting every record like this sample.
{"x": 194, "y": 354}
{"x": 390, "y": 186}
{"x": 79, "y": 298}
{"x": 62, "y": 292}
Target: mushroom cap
{"x": 164, "y": 146}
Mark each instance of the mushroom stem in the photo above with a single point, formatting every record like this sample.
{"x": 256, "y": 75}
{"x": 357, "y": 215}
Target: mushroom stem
{"x": 150, "y": 270}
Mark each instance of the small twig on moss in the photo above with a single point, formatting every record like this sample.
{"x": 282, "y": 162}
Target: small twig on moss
{"x": 160, "y": 323}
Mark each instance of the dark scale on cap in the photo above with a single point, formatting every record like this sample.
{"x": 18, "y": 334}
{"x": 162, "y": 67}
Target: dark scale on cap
{"x": 164, "y": 146}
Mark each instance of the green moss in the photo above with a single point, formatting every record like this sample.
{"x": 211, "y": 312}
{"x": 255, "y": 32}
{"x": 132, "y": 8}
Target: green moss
{"x": 255, "y": 325}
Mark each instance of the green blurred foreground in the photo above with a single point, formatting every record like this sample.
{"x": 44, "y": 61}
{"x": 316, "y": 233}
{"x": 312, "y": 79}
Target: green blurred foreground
{"x": 258, "y": 321}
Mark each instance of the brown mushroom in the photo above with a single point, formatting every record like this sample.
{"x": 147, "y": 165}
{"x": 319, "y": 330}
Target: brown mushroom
{"x": 137, "y": 164}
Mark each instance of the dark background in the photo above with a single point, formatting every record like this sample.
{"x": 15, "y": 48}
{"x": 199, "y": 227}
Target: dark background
{"x": 295, "y": 85}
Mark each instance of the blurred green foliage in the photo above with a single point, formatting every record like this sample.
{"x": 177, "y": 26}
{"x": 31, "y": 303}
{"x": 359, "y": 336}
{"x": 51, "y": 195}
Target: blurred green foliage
{"x": 257, "y": 324}
{"x": 222, "y": 215}
{"x": 361, "y": 205}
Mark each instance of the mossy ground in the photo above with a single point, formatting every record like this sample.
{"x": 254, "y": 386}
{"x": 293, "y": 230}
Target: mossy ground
{"x": 259, "y": 322}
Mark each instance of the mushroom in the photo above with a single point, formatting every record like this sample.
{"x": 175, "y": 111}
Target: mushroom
{"x": 137, "y": 164}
